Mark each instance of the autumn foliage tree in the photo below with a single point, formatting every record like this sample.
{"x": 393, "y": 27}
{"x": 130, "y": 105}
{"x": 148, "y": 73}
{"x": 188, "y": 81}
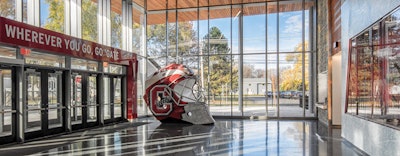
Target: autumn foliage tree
{"x": 7, "y": 8}
{"x": 55, "y": 20}
{"x": 292, "y": 77}
{"x": 89, "y": 20}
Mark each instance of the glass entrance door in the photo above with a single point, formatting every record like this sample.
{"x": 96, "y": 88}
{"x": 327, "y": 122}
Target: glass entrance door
{"x": 84, "y": 105}
{"x": 7, "y": 107}
{"x": 113, "y": 105}
{"x": 44, "y": 109}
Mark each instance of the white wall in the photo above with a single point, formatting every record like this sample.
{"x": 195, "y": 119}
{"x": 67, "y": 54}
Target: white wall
{"x": 336, "y": 89}
{"x": 374, "y": 139}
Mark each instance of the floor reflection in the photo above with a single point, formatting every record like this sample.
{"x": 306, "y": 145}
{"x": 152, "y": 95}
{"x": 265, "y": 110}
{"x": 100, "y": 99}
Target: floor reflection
{"x": 225, "y": 137}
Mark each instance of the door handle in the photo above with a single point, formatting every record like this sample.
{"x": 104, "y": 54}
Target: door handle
{"x": 36, "y": 109}
{"x": 8, "y": 111}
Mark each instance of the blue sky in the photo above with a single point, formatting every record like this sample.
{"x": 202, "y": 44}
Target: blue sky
{"x": 44, "y": 12}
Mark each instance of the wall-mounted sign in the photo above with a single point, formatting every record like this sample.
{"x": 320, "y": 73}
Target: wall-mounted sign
{"x": 21, "y": 34}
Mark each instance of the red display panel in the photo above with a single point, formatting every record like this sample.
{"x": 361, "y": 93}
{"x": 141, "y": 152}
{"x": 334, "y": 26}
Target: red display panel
{"x": 21, "y": 34}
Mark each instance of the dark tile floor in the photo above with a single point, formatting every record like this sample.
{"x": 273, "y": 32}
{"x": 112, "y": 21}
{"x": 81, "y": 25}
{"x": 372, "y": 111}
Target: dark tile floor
{"x": 225, "y": 137}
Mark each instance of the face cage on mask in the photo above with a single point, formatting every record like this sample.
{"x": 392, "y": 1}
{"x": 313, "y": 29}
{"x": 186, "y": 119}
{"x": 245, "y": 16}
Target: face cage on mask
{"x": 196, "y": 91}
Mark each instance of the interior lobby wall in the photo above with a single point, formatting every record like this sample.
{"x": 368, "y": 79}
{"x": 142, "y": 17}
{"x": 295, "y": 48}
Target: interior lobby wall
{"x": 373, "y": 138}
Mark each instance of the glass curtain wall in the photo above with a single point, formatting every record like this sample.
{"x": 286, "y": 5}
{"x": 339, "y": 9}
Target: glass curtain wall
{"x": 252, "y": 59}
{"x": 219, "y": 61}
{"x": 50, "y": 16}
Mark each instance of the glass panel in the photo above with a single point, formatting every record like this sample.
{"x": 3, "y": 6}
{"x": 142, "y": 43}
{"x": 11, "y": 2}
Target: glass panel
{"x": 7, "y": 9}
{"x": 116, "y": 24}
{"x": 92, "y": 104}
{"x": 7, "y": 52}
{"x": 254, "y": 19}
{"x": 219, "y": 84}
{"x": 234, "y": 88}
{"x": 5, "y": 103}
{"x": 117, "y": 97}
{"x": 76, "y": 99}
{"x": 290, "y": 26}
{"x": 54, "y": 97}
{"x": 33, "y": 108}
{"x": 187, "y": 33}
{"x": 219, "y": 30}
{"x": 141, "y": 109}
{"x": 25, "y": 11}
{"x": 272, "y": 85}
{"x": 84, "y": 64}
{"x": 50, "y": 16}
{"x": 272, "y": 28}
{"x": 171, "y": 39}
{"x": 308, "y": 25}
{"x": 236, "y": 11}
{"x": 89, "y": 20}
{"x": 138, "y": 19}
{"x": 203, "y": 31}
{"x": 290, "y": 84}
{"x": 203, "y": 78}
{"x": 43, "y": 59}
{"x": 156, "y": 39}
{"x": 254, "y": 85}
{"x": 309, "y": 111}
{"x": 107, "y": 98}
{"x": 219, "y": 65}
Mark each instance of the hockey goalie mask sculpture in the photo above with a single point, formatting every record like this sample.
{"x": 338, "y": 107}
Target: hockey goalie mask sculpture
{"x": 173, "y": 95}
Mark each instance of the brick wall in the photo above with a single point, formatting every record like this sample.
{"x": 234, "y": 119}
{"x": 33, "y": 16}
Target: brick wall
{"x": 322, "y": 35}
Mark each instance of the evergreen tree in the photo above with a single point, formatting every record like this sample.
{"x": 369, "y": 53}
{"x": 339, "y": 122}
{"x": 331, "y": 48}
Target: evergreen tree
{"x": 218, "y": 67}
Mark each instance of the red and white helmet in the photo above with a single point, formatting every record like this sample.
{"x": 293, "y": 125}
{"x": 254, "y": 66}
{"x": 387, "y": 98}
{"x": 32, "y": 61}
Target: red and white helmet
{"x": 172, "y": 95}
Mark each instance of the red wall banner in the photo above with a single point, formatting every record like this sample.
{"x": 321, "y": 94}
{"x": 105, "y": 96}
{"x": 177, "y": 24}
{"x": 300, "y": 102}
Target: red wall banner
{"x": 21, "y": 34}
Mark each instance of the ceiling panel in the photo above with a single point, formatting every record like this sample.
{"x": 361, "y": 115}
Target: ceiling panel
{"x": 203, "y": 3}
{"x": 171, "y": 4}
{"x": 189, "y": 15}
{"x": 187, "y": 3}
{"x": 225, "y": 11}
{"x": 116, "y": 6}
{"x": 156, "y": 5}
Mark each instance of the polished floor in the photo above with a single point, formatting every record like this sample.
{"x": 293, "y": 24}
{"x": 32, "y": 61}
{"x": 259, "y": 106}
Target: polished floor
{"x": 226, "y": 137}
